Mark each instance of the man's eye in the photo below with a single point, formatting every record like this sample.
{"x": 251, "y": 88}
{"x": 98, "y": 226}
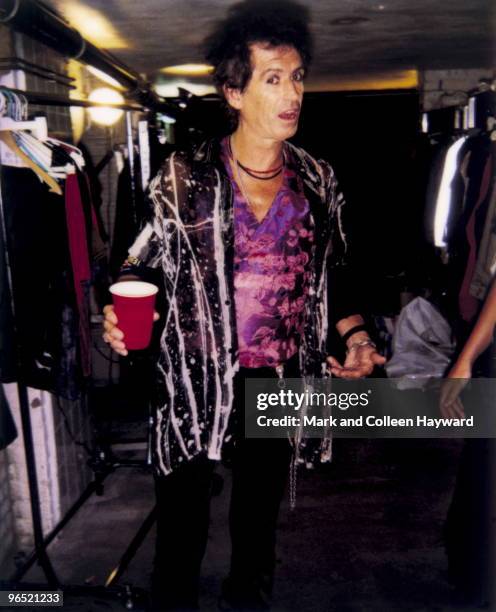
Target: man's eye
{"x": 299, "y": 76}
{"x": 273, "y": 80}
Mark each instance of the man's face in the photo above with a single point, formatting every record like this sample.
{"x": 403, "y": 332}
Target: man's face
{"x": 269, "y": 107}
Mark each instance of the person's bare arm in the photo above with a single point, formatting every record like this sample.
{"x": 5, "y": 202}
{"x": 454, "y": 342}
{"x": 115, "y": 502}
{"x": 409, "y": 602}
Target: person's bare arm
{"x": 480, "y": 338}
{"x": 478, "y": 341}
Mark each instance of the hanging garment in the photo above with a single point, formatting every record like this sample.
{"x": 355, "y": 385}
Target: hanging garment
{"x": 81, "y": 274}
{"x": 450, "y": 195}
{"x": 433, "y": 183}
{"x": 9, "y": 140}
{"x": 129, "y": 215}
{"x": 485, "y": 268}
{"x": 43, "y": 286}
{"x": 95, "y": 188}
{"x": 7, "y": 336}
{"x": 97, "y": 247}
{"x": 468, "y": 304}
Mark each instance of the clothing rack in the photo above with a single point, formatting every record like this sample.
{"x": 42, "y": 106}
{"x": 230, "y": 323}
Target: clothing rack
{"x": 56, "y": 100}
{"x": 101, "y": 464}
{"x": 42, "y": 23}
{"x": 465, "y": 116}
{"x": 16, "y": 63}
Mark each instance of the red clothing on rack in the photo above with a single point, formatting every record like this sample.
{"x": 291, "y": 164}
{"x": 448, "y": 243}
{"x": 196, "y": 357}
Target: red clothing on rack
{"x": 78, "y": 247}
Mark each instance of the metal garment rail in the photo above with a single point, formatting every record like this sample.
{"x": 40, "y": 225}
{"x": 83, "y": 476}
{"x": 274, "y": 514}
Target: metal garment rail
{"x": 42, "y": 23}
{"x": 17, "y": 63}
{"x": 56, "y": 100}
{"x": 45, "y": 25}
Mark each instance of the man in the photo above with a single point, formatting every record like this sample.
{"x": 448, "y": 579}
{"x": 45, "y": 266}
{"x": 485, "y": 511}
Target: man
{"x": 242, "y": 230}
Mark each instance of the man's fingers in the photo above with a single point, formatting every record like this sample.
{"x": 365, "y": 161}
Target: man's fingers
{"x": 378, "y": 359}
{"x": 458, "y": 409}
{"x": 117, "y": 345}
{"x": 108, "y": 325}
{"x": 156, "y": 316}
{"x": 110, "y": 338}
{"x": 112, "y": 331}
{"x": 348, "y": 372}
{"x": 334, "y": 363}
{"x": 120, "y": 350}
{"x": 109, "y": 313}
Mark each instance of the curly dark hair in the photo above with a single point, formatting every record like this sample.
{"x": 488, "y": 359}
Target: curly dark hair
{"x": 278, "y": 23}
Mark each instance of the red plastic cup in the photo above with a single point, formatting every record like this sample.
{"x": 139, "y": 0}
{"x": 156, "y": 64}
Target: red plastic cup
{"x": 134, "y": 304}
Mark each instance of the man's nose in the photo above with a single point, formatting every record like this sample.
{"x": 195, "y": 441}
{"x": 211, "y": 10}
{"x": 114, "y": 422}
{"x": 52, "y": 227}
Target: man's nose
{"x": 293, "y": 91}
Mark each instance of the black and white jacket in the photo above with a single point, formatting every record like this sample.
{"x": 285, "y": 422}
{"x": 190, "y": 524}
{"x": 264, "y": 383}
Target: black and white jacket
{"x": 189, "y": 237}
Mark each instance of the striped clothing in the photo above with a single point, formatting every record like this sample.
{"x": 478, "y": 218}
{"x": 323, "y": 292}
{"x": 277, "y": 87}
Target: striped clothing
{"x": 189, "y": 236}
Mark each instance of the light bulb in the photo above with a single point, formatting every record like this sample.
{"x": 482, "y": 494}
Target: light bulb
{"x": 105, "y": 115}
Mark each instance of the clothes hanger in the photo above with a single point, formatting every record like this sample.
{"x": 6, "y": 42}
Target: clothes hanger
{"x": 48, "y": 157}
{"x": 15, "y": 109}
{"x": 13, "y": 115}
{"x": 7, "y": 138}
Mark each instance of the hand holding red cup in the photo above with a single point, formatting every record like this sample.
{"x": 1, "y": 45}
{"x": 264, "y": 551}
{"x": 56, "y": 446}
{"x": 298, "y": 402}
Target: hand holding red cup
{"x": 134, "y": 303}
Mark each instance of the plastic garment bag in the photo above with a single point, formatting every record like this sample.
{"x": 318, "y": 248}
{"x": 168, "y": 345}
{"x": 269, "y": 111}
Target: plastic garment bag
{"x": 422, "y": 345}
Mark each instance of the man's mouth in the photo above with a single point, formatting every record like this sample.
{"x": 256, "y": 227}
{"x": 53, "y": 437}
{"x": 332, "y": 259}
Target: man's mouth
{"x": 289, "y": 115}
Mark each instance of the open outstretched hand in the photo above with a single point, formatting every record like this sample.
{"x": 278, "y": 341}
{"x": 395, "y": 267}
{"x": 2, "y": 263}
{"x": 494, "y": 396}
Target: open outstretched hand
{"x": 360, "y": 361}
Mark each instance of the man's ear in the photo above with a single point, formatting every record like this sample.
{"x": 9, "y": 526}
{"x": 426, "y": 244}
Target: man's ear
{"x": 233, "y": 97}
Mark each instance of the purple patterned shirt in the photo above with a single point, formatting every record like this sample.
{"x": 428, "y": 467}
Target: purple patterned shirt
{"x": 272, "y": 271}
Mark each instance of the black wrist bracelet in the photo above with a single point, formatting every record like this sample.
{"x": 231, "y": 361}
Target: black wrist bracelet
{"x": 346, "y": 336}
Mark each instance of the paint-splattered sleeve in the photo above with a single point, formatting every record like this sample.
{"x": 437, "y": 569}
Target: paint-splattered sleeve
{"x": 147, "y": 248}
{"x": 165, "y": 196}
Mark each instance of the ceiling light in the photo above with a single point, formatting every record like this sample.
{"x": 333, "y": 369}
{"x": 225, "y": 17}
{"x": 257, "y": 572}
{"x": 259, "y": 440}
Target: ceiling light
{"x": 103, "y": 76}
{"x": 394, "y": 79}
{"x": 188, "y": 69}
{"x": 105, "y": 115}
{"x": 92, "y": 25}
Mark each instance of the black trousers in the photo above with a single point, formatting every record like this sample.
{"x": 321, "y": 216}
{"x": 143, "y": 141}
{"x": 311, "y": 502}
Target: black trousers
{"x": 259, "y": 473}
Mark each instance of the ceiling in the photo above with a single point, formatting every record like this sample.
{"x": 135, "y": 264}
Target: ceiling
{"x": 384, "y": 36}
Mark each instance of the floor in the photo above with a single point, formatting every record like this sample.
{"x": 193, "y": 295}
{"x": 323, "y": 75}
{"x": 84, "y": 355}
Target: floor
{"x": 366, "y": 534}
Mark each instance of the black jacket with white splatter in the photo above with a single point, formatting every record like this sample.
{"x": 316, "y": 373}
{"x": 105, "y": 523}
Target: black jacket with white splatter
{"x": 189, "y": 237}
